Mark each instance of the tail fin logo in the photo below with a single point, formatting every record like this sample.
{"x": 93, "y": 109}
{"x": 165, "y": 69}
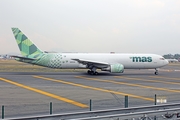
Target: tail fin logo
{"x": 27, "y": 48}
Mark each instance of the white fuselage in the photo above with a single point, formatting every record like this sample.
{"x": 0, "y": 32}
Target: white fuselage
{"x": 141, "y": 61}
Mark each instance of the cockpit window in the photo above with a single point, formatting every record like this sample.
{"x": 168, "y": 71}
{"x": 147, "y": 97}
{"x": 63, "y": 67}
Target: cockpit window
{"x": 162, "y": 59}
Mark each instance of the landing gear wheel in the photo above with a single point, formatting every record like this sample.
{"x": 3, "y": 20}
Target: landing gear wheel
{"x": 89, "y": 72}
{"x": 95, "y": 73}
{"x": 92, "y": 72}
{"x": 156, "y": 73}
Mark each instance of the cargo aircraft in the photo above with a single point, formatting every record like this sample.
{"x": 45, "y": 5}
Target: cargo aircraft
{"x": 111, "y": 62}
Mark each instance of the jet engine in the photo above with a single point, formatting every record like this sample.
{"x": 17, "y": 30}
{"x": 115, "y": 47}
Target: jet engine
{"x": 114, "y": 68}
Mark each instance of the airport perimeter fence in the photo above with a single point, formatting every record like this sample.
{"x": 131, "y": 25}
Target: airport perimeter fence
{"x": 28, "y": 109}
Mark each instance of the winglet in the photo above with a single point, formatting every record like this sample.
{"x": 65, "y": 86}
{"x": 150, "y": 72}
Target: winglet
{"x": 27, "y": 48}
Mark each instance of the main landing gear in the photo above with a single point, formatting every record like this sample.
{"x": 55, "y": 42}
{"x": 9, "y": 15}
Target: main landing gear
{"x": 156, "y": 72}
{"x": 92, "y": 71}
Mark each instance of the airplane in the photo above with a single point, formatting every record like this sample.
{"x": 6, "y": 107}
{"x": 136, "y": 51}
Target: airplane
{"x": 172, "y": 60}
{"x": 111, "y": 62}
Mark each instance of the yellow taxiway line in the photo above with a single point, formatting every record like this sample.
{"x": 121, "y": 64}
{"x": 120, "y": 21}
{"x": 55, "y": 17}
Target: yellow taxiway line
{"x": 46, "y": 93}
{"x": 129, "y": 84}
{"x": 94, "y": 88}
{"x": 165, "y": 77}
{"x": 143, "y": 86}
{"x": 140, "y": 79}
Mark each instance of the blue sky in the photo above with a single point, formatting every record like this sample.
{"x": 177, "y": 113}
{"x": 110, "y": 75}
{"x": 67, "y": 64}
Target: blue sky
{"x": 98, "y": 26}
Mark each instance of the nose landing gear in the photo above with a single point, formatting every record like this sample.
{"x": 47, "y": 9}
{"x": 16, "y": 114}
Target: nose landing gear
{"x": 156, "y": 72}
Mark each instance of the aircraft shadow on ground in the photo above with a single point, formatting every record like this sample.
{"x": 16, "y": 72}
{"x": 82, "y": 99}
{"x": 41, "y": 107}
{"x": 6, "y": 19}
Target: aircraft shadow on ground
{"x": 76, "y": 73}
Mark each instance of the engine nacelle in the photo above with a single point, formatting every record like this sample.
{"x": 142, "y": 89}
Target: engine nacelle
{"x": 115, "y": 68}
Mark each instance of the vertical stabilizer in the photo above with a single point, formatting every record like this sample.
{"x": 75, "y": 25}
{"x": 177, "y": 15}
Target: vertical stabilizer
{"x": 27, "y": 48}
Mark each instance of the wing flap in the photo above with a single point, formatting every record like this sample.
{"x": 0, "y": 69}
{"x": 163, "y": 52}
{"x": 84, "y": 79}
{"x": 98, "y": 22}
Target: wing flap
{"x": 91, "y": 62}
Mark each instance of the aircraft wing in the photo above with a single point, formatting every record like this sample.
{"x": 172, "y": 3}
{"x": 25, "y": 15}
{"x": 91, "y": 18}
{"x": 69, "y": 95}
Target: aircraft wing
{"x": 92, "y": 63}
{"x": 22, "y": 58}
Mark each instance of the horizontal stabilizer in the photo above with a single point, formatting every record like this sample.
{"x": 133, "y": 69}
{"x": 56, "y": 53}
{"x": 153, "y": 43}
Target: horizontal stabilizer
{"x": 23, "y": 58}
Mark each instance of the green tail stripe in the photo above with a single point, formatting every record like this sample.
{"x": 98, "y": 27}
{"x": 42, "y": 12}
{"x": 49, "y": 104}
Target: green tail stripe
{"x": 27, "y": 48}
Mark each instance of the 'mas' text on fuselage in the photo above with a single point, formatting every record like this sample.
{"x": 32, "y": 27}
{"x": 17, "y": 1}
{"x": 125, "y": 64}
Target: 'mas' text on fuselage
{"x": 141, "y": 59}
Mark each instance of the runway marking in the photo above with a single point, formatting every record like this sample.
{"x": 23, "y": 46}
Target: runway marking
{"x": 139, "y": 79}
{"x": 129, "y": 84}
{"x": 164, "y": 77}
{"x": 46, "y": 93}
{"x": 94, "y": 88}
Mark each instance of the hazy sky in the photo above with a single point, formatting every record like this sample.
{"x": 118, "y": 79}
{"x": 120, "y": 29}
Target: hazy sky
{"x": 123, "y": 26}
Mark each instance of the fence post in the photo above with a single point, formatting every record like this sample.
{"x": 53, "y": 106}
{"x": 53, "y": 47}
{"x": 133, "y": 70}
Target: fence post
{"x": 155, "y": 103}
{"x": 3, "y": 112}
{"x": 155, "y": 100}
{"x": 90, "y": 105}
{"x": 126, "y": 102}
{"x": 50, "y": 107}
